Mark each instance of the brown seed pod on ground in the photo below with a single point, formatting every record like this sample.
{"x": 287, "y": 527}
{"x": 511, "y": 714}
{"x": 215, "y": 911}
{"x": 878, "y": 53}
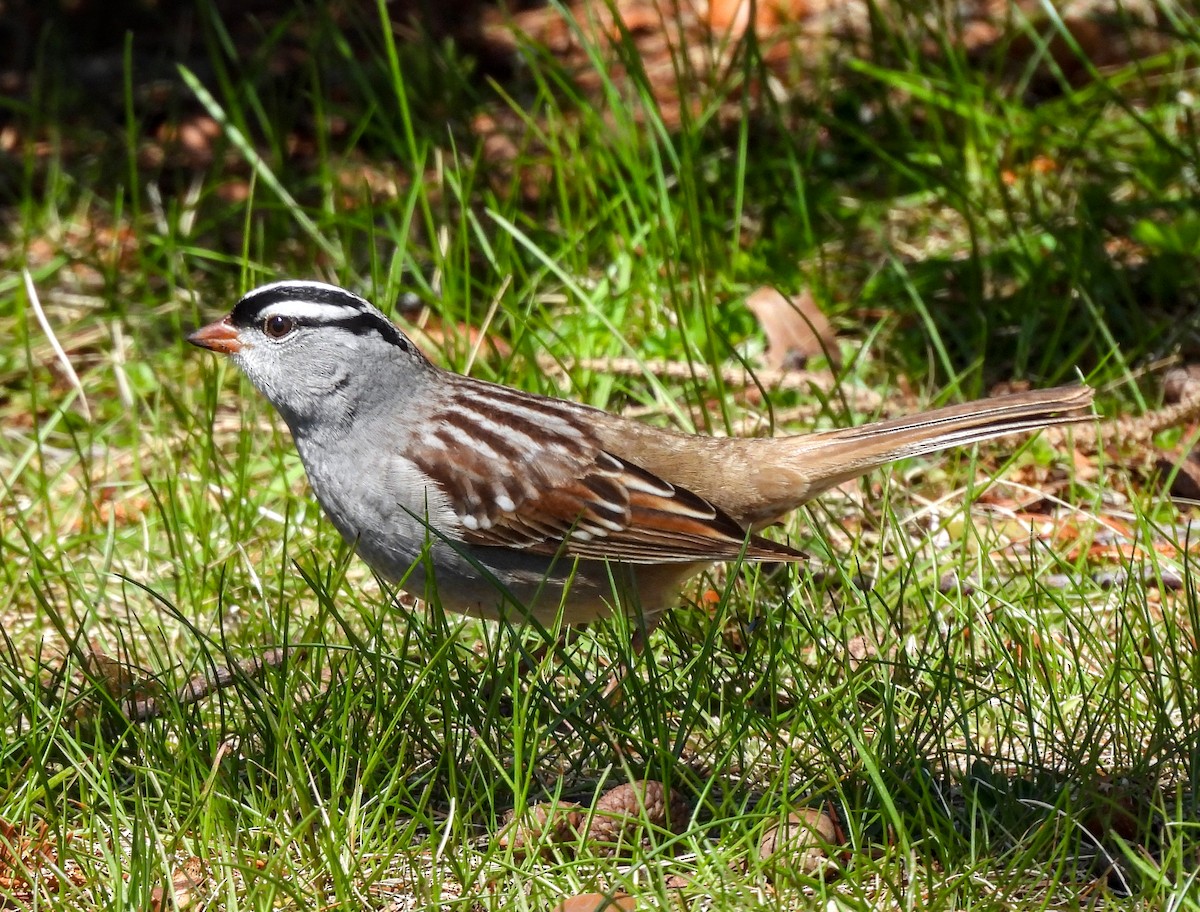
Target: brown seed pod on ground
{"x": 801, "y": 844}
{"x": 542, "y": 825}
{"x": 622, "y": 810}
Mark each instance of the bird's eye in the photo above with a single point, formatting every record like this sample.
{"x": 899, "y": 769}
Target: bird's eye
{"x": 278, "y": 326}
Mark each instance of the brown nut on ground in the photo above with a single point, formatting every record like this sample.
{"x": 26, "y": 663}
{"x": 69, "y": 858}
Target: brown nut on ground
{"x": 542, "y": 825}
{"x": 620, "y": 811}
{"x": 800, "y": 844}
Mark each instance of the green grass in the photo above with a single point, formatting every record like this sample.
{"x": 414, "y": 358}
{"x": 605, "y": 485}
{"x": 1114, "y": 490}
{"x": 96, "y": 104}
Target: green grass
{"x": 1024, "y": 741}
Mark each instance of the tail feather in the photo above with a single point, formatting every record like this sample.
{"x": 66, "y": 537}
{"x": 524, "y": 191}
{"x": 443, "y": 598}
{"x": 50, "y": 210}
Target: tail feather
{"x": 757, "y": 480}
{"x": 849, "y": 452}
{"x": 787, "y": 471}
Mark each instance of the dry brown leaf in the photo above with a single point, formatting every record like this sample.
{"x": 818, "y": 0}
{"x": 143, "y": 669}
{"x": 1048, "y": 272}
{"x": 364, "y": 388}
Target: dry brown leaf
{"x": 1184, "y": 473}
{"x": 29, "y": 864}
{"x": 235, "y": 190}
{"x": 795, "y": 327}
{"x": 859, "y": 650}
{"x": 597, "y": 902}
{"x": 187, "y": 882}
{"x": 188, "y": 143}
{"x": 730, "y": 17}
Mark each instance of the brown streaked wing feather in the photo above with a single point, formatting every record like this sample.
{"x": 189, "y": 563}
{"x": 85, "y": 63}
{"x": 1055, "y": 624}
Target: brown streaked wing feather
{"x": 651, "y": 522}
{"x": 567, "y": 495}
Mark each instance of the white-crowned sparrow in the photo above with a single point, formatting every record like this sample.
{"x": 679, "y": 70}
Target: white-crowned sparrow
{"x": 527, "y": 505}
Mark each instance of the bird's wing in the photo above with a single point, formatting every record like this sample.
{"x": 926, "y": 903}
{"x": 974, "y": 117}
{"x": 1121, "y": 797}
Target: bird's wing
{"x": 524, "y": 473}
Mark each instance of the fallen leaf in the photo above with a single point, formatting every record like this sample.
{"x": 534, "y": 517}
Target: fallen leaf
{"x": 1184, "y": 472}
{"x": 731, "y": 17}
{"x": 186, "y": 882}
{"x": 597, "y": 902}
{"x": 859, "y": 649}
{"x": 795, "y": 327}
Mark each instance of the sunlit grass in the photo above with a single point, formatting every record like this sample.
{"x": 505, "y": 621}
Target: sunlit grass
{"x": 990, "y": 724}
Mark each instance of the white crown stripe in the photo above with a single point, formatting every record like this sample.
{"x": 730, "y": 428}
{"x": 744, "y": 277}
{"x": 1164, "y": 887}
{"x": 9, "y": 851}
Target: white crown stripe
{"x": 309, "y": 311}
{"x": 302, "y": 288}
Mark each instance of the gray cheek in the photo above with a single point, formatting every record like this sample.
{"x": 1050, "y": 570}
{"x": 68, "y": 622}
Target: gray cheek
{"x": 339, "y": 378}
{"x": 261, "y": 373}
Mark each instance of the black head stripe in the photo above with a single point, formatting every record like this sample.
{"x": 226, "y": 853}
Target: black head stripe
{"x": 364, "y": 324}
{"x": 338, "y": 308}
{"x": 249, "y": 309}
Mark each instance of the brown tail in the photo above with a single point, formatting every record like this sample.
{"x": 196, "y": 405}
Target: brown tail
{"x": 811, "y": 463}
